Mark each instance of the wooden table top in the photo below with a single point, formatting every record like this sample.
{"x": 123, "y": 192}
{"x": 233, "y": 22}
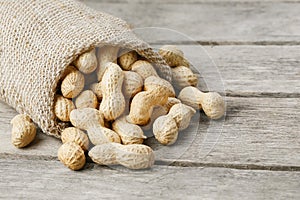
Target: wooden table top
{"x": 253, "y": 153}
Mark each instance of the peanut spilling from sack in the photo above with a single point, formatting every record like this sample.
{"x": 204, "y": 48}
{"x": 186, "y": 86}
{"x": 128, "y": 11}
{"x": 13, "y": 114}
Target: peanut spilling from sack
{"x": 23, "y": 131}
{"x": 109, "y": 96}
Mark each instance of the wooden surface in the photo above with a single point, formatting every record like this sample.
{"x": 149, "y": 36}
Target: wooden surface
{"x": 52, "y": 181}
{"x": 253, "y": 153}
{"x": 219, "y": 22}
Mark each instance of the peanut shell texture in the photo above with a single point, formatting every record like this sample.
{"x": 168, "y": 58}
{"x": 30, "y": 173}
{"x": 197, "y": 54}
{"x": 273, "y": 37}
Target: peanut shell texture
{"x": 23, "y": 131}
{"x": 171, "y": 54}
{"x": 144, "y": 69}
{"x": 86, "y": 99}
{"x": 72, "y": 84}
{"x": 87, "y": 62}
{"x": 126, "y": 59}
{"x": 72, "y": 134}
{"x": 72, "y": 156}
{"x": 183, "y": 77}
{"x": 113, "y": 101}
{"x": 129, "y": 133}
{"x": 63, "y": 108}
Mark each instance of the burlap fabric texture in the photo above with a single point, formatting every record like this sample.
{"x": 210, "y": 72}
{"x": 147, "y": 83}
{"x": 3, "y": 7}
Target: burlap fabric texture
{"x": 40, "y": 38}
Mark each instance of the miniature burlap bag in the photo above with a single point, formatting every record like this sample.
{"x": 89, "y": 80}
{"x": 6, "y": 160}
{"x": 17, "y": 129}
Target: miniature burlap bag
{"x": 40, "y": 38}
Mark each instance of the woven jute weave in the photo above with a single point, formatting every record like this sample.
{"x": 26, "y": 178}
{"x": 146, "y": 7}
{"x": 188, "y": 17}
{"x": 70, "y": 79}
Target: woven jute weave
{"x": 40, "y": 38}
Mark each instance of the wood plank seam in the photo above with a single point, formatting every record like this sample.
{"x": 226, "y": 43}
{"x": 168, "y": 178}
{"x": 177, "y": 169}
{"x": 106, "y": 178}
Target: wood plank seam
{"x": 261, "y": 94}
{"x": 193, "y": 2}
{"x": 236, "y": 166}
{"x": 165, "y": 163}
{"x": 225, "y": 43}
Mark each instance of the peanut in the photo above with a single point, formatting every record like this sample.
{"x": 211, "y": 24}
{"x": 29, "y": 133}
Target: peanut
{"x": 71, "y": 155}
{"x": 106, "y": 54}
{"x": 67, "y": 71}
{"x": 173, "y": 56}
{"x": 101, "y": 135}
{"x": 144, "y": 69}
{"x": 129, "y": 133}
{"x": 165, "y": 130}
{"x": 96, "y": 88}
{"x": 166, "y": 127}
{"x": 132, "y": 156}
{"x": 132, "y": 84}
{"x": 126, "y": 59}
{"x": 212, "y": 103}
{"x": 159, "y": 111}
{"x": 183, "y": 77}
{"x": 86, "y": 99}
{"x": 109, "y": 126}
{"x": 153, "y": 81}
{"x": 91, "y": 120}
{"x": 86, "y": 62}
{"x": 73, "y": 134}
{"x": 113, "y": 101}
{"x": 23, "y": 131}
{"x": 171, "y": 102}
{"x": 142, "y": 103}
{"x": 72, "y": 84}
{"x": 84, "y": 118}
{"x": 185, "y": 63}
{"x": 62, "y": 108}
{"x": 182, "y": 114}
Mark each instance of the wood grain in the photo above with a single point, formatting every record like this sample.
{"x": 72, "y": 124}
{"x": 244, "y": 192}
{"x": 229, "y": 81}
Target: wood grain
{"x": 262, "y": 132}
{"x": 253, "y": 153}
{"x": 257, "y": 133}
{"x": 246, "y": 71}
{"x": 217, "y": 23}
{"x": 186, "y": 1}
{"x": 29, "y": 179}
{"x": 260, "y": 71}
{"x": 43, "y": 147}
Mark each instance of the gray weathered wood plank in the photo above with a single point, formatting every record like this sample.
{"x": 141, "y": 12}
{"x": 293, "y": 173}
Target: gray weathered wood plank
{"x": 248, "y": 71}
{"x": 257, "y": 131}
{"x": 186, "y": 1}
{"x": 272, "y": 71}
{"x": 43, "y": 146}
{"x": 260, "y": 133}
{"x": 31, "y": 179}
{"x": 222, "y": 22}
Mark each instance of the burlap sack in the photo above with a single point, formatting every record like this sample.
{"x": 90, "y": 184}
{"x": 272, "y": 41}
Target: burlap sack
{"x": 40, "y": 38}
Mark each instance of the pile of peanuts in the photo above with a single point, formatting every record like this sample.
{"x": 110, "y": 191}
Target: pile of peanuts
{"x": 111, "y": 96}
